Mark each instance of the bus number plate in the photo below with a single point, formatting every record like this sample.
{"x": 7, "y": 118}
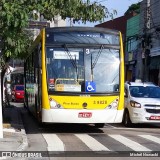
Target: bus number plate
{"x": 85, "y": 115}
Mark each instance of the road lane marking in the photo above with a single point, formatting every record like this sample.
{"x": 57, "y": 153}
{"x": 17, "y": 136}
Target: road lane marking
{"x": 8, "y": 130}
{"x": 151, "y": 138}
{"x": 92, "y": 143}
{"x": 109, "y": 125}
{"x": 129, "y": 143}
{"x": 54, "y": 142}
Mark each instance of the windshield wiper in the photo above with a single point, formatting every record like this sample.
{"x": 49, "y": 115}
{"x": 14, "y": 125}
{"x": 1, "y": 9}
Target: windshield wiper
{"x": 97, "y": 57}
{"x": 70, "y": 56}
{"x": 73, "y": 62}
{"x": 95, "y": 61}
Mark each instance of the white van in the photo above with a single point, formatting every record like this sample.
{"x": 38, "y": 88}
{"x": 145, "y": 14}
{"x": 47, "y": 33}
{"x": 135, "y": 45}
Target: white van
{"x": 142, "y": 103}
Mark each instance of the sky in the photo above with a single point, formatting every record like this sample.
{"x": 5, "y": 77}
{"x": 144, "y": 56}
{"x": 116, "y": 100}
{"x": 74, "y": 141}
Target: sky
{"x": 120, "y": 6}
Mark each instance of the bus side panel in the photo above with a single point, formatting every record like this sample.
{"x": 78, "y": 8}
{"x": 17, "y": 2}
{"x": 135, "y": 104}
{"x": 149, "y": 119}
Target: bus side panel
{"x": 121, "y": 99}
{"x": 45, "y": 102}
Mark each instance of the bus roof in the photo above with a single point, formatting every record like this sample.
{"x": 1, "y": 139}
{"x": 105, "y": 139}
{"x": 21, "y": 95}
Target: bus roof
{"x": 90, "y": 29}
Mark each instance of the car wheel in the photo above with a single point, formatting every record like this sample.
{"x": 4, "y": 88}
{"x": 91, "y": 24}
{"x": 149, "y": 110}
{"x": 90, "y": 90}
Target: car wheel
{"x": 99, "y": 125}
{"x": 126, "y": 119}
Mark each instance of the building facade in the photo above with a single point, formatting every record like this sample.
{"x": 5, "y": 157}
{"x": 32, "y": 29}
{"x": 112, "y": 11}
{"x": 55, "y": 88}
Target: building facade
{"x": 150, "y": 31}
{"x": 132, "y": 49}
{"x": 117, "y": 23}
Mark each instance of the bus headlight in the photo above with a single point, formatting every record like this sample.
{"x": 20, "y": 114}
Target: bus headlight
{"x": 54, "y": 104}
{"x": 114, "y": 104}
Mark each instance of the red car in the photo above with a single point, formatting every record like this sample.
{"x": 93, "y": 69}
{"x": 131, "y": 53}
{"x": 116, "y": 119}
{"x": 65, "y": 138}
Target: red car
{"x": 18, "y": 93}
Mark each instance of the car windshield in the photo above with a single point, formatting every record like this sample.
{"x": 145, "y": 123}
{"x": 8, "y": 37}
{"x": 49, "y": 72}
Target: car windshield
{"x": 19, "y": 88}
{"x": 145, "y": 91}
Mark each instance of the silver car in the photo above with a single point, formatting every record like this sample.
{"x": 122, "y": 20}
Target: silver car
{"x": 142, "y": 103}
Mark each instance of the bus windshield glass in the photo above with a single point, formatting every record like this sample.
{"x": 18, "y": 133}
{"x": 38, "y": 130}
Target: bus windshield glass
{"x": 82, "y": 69}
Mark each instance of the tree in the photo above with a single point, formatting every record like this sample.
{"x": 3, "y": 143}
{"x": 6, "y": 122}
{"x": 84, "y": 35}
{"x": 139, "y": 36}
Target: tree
{"x": 133, "y": 8}
{"x": 15, "y": 14}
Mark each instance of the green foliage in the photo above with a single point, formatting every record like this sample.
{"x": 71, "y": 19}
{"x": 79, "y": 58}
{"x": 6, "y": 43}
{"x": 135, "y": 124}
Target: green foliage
{"x": 15, "y": 15}
{"x": 133, "y": 7}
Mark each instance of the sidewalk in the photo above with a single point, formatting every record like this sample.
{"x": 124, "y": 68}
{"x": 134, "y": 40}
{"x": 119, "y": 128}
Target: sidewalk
{"x": 14, "y": 136}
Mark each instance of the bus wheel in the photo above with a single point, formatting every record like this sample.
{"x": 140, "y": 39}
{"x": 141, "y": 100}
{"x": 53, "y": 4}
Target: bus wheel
{"x": 126, "y": 119}
{"x": 99, "y": 125}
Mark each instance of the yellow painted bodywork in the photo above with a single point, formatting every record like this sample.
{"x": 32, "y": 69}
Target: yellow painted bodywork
{"x": 121, "y": 97}
{"x": 75, "y": 102}
{"x": 45, "y": 101}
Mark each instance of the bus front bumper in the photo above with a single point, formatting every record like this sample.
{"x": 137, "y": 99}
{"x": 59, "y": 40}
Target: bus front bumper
{"x": 82, "y": 116}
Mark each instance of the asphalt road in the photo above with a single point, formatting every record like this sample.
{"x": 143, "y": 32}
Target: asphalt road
{"x": 77, "y": 141}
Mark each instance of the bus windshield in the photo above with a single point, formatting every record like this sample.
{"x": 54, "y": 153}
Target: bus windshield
{"x": 83, "y": 69}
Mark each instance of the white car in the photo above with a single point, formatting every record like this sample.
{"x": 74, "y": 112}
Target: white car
{"x": 142, "y": 103}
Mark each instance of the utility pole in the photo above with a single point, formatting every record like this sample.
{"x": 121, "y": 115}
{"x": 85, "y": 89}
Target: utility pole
{"x": 147, "y": 38}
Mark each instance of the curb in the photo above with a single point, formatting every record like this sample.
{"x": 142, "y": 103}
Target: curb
{"x": 17, "y": 127}
{"x": 24, "y": 144}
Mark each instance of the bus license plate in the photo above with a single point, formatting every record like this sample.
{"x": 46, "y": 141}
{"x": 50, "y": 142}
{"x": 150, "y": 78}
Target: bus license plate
{"x": 84, "y": 115}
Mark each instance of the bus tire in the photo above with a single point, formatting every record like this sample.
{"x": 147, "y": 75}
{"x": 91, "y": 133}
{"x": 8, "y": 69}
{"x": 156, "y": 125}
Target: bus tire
{"x": 126, "y": 119}
{"x": 99, "y": 125}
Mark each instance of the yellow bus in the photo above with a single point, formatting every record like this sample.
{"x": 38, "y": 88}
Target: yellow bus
{"x": 76, "y": 75}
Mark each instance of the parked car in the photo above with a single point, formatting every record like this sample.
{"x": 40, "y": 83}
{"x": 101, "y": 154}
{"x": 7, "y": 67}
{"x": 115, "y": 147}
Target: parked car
{"x": 142, "y": 103}
{"x": 18, "y": 93}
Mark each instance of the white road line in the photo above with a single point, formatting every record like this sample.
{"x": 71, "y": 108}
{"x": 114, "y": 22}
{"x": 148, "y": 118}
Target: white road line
{"x": 109, "y": 125}
{"x": 151, "y": 138}
{"x": 8, "y": 130}
{"x": 129, "y": 143}
{"x": 54, "y": 142}
{"x": 92, "y": 143}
